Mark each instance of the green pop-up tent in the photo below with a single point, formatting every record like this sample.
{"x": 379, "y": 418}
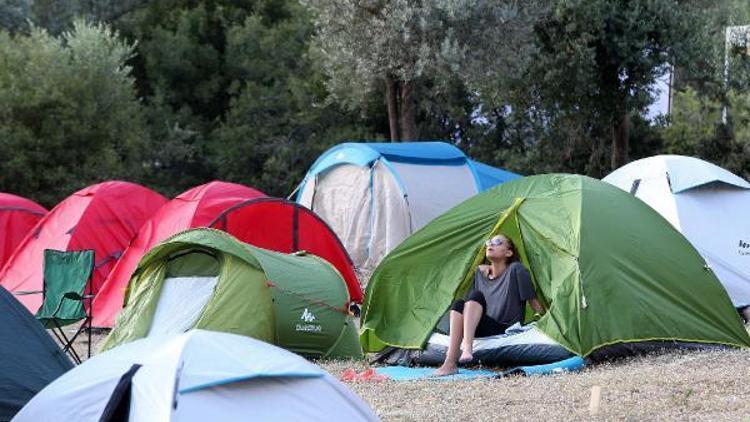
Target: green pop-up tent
{"x": 205, "y": 278}
{"x": 609, "y": 269}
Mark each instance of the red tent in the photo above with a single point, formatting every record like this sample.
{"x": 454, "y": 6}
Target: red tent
{"x": 17, "y": 217}
{"x": 285, "y": 226}
{"x": 195, "y": 208}
{"x": 103, "y": 217}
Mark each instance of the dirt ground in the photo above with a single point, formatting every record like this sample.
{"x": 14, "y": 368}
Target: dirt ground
{"x": 668, "y": 386}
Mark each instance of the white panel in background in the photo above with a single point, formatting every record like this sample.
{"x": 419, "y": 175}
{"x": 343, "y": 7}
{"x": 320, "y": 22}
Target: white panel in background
{"x": 433, "y": 190}
{"x": 342, "y": 199}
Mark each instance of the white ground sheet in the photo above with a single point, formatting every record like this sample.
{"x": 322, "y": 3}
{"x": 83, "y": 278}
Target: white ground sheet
{"x": 529, "y": 335}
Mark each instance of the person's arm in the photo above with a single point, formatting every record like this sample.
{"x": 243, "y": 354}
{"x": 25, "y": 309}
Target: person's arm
{"x": 536, "y": 306}
{"x": 526, "y": 288}
{"x": 473, "y": 285}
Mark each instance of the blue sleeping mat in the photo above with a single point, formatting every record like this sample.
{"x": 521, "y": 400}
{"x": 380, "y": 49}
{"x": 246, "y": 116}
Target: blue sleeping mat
{"x": 575, "y": 363}
{"x": 405, "y": 373}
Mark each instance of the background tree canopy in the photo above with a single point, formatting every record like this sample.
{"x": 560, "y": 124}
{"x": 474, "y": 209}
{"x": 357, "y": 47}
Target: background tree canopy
{"x": 68, "y": 111}
{"x": 173, "y": 93}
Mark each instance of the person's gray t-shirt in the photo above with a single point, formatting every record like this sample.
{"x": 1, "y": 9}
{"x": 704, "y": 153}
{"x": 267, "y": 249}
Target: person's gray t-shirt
{"x": 506, "y": 295}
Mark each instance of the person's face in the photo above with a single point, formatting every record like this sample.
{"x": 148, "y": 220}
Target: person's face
{"x": 497, "y": 248}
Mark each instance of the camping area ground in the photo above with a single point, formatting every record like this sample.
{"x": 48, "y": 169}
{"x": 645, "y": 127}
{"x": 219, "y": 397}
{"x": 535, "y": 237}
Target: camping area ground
{"x": 667, "y": 386}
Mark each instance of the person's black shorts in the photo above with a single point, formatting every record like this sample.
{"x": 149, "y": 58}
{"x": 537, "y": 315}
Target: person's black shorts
{"x": 487, "y": 326}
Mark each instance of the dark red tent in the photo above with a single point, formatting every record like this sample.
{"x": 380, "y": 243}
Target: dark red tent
{"x": 104, "y": 217}
{"x": 17, "y": 217}
{"x": 196, "y": 207}
{"x": 285, "y": 226}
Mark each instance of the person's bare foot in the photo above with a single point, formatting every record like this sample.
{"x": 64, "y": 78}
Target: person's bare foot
{"x": 445, "y": 370}
{"x": 466, "y": 357}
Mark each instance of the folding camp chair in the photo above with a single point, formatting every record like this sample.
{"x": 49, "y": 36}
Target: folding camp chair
{"x": 66, "y": 275}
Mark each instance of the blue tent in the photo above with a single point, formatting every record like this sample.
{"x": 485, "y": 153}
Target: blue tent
{"x": 427, "y": 153}
{"x": 29, "y": 358}
{"x": 374, "y": 195}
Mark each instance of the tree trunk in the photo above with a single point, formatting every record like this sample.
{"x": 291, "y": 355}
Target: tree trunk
{"x": 596, "y": 167}
{"x": 620, "y": 139}
{"x": 391, "y": 102}
{"x": 408, "y": 112}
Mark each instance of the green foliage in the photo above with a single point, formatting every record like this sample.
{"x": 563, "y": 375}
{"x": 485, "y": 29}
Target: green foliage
{"x": 68, "y": 113}
{"x": 599, "y": 59}
{"x": 360, "y": 43}
{"x": 57, "y": 16}
{"x": 14, "y": 13}
{"x": 696, "y": 129}
{"x": 278, "y": 121}
{"x": 738, "y": 161}
{"x": 423, "y": 52}
{"x": 594, "y": 66}
{"x": 693, "y": 124}
{"x": 252, "y": 91}
{"x": 231, "y": 94}
{"x": 696, "y": 126}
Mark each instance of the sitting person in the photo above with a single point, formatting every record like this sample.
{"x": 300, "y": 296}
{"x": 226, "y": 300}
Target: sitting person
{"x": 744, "y": 312}
{"x": 496, "y": 301}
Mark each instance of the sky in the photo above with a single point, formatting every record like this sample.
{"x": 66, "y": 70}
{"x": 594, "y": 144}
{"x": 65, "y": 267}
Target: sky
{"x": 661, "y": 102}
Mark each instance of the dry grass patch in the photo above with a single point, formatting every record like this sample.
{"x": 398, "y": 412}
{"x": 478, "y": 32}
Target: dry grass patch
{"x": 669, "y": 386}
{"x": 677, "y": 385}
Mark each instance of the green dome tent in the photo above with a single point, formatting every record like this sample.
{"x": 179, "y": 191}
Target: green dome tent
{"x": 608, "y": 268}
{"x": 204, "y": 278}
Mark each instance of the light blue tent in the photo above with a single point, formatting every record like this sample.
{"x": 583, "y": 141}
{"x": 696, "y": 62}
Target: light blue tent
{"x": 374, "y": 195}
{"x": 489, "y": 176}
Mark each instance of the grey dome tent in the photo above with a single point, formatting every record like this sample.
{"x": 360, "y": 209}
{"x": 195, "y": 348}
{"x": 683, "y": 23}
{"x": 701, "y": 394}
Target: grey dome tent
{"x": 29, "y": 358}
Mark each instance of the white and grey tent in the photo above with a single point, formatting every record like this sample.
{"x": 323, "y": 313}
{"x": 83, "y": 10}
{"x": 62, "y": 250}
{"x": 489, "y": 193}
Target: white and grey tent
{"x": 196, "y": 376}
{"x": 374, "y": 195}
{"x": 708, "y": 204}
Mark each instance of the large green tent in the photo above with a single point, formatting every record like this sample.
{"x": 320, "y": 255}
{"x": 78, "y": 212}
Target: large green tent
{"x": 609, "y": 269}
{"x": 204, "y": 278}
